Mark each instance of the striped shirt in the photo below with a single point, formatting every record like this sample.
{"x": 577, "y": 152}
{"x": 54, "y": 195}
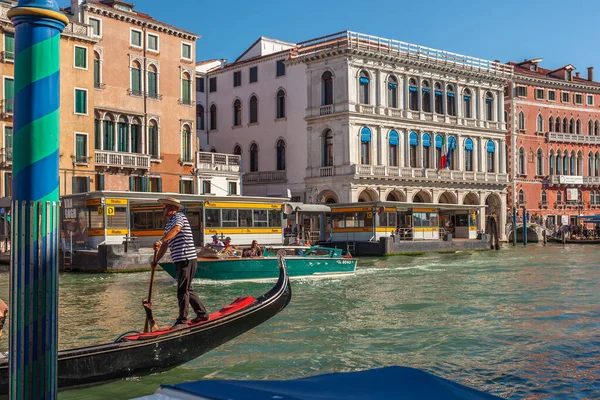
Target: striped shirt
{"x": 182, "y": 245}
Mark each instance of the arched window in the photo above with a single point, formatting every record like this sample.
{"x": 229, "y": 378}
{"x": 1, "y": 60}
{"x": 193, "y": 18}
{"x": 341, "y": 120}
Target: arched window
{"x": 392, "y": 92}
{"x": 559, "y": 196}
{"x": 280, "y": 155}
{"x": 439, "y": 99}
{"x": 544, "y": 198}
{"x": 136, "y": 136}
{"x": 566, "y": 163}
{"x": 394, "y": 141}
{"x": 327, "y": 149}
{"x": 365, "y": 146}
{"x": 540, "y": 123}
{"x": 153, "y": 82}
{"x": 596, "y": 128}
{"x": 597, "y": 165}
{"x": 413, "y": 142}
{"x": 213, "y": 150}
{"x": 108, "y": 131}
{"x": 452, "y": 145}
{"x": 590, "y": 164}
{"x": 540, "y": 162}
{"x": 565, "y": 127}
{"x": 413, "y": 93}
{"x": 578, "y": 127}
{"x": 489, "y": 106}
{"x": 590, "y": 127}
{"x": 521, "y": 121}
{"x": 426, "y": 96}
{"x": 136, "y": 79}
{"x": 450, "y": 100}
{"x": 200, "y": 117}
{"x": 467, "y": 103}
{"x": 253, "y": 157}
{"x": 186, "y": 144}
{"x": 326, "y": 88}
{"x": 186, "y": 89}
{"x": 439, "y": 143}
{"x": 97, "y": 71}
{"x": 572, "y": 126}
{"x": 558, "y": 125}
{"x": 363, "y": 91}
{"x": 213, "y": 117}
{"x": 521, "y": 161}
{"x": 237, "y": 150}
{"x": 491, "y": 152}
{"x": 237, "y": 113}
{"x": 122, "y": 134}
{"x": 551, "y": 125}
{"x": 153, "y": 139}
{"x": 426, "y": 150}
{"x": 280, "y": 104}
{"x": 469, "y": 154}
{"x": 558, "y": 163}
{"x": 521, "y": 197}
{"x": 253, "y": 109}
{"x": 551, "y": 163}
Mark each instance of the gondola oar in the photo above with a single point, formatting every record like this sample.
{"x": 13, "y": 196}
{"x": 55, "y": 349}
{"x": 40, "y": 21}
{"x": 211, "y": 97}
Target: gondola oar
{"x": 150, "y": 324}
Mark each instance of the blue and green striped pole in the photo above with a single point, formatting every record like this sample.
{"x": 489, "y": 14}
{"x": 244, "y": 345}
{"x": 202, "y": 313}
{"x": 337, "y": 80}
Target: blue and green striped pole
{"x": 35, "y": 201}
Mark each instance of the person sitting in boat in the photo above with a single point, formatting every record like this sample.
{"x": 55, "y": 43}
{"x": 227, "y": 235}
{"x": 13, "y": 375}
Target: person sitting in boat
{"x": 254, "y": 250}
{"x": 297, "y": 242}
{"x": 229, "y": 249}
{"x": 216, "y": 242}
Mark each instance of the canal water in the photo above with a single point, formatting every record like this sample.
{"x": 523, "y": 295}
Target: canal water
{"x": 518, "y": 323}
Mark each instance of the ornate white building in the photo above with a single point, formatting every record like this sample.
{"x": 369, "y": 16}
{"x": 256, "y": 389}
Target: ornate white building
{"x": 374, "y": 115}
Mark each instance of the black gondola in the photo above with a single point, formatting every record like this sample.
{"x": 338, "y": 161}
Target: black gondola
{"x": 573, "y": 241}
{"x": 126, "y": 358}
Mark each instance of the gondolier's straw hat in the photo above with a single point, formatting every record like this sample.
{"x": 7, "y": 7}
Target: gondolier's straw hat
{"x": 170, "y": 201}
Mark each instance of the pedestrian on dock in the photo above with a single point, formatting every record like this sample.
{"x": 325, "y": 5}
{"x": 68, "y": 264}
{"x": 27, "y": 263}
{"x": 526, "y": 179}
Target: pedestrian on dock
{"x": 179, "y": 240}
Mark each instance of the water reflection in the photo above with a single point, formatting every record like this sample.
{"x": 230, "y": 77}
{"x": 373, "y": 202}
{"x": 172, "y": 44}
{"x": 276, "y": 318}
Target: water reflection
{"x": 517, "y": 323}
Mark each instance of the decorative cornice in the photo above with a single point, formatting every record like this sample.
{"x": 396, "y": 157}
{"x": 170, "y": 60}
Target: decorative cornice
{"x": 242, "y": 64}
{"x": 131, "y": 18}
{"x": 526, "y": 79}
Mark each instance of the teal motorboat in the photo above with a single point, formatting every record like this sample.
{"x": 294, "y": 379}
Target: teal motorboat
{"x": 301, "y": 261}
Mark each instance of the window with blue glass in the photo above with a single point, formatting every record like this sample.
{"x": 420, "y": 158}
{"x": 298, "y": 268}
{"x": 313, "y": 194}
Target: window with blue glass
{"x": 426, "y": 96}
{"x": 363, "y": 91}
{"x": 439, "y": 98}
{"x": 426, "y": 150}
{"x": 551, "y": 164}
{"x": 467, "y": 103}
{"x": 489, "y": 106}
{"x": 394, "y": 141}
{"x": 450, "y": 101}
{"x": 469, "y": 154}
{"x": 413, "y": 95}
{"x": 491, "y": 151}
{"x": 540, "y": 162}
{"x": 439, "y": 144}
{"x": 365, "y": 146}
{"x": 392, "y": 92}
{"x": 558, "y": 163}
{"x": 413, "y": 141}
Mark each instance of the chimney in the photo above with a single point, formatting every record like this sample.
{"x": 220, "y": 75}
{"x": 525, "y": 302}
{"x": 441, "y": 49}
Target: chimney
{"x": 590, "y": 74}
{"x": 76, "y": 10}
{"x": 223, "y": 62}
{"x": 576, "y": 74}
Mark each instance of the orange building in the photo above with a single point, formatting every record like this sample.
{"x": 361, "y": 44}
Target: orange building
{"x": 554, "y": 142}
{"x": 143, "y": 104}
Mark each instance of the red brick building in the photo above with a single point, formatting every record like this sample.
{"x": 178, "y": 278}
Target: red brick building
{"x": 553, "y": 140}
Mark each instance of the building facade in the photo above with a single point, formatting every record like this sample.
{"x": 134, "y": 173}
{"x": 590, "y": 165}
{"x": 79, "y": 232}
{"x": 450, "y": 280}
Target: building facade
{"x": 554, "y": 132}
{"x": 141, "y": 101}
{"x": 365, "y": 119}
{"x": 77, "y": 82}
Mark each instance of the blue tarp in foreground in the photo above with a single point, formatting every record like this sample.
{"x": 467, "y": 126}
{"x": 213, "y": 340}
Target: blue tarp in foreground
{"x": 383, "y": 383}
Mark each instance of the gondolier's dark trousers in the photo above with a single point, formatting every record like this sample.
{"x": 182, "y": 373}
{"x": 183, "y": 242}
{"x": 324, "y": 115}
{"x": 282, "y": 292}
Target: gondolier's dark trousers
{"x": 186, "y": 296}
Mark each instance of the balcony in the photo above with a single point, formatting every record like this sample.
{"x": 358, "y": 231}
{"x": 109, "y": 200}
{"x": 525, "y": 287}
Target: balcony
{"x": 264, "y": 177}
{"x": 122, "y": 160}
{"x": 431, "y": 175}
{"x": 7, "y": 108}
{"x": 572, "y": 138}
{"x": 6, "y": 155}
{"x": 186, "y": 102}
{"x": 365, "y": 109}
{"x": 575, "y": 180}
{"x": 326, "y": 110}
{"x": 7, "y": 56}
{"x": 207, "y": 161}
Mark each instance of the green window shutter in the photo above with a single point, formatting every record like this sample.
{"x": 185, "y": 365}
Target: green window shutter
{"x": 80, "y": 147}
{"x": 87, "y": 184}
{"x": 159, "y": 184}
{"x": 9, "y": 46}
{"x": 152, "y": 84}
{"x": 193, "y": 187}
{"x": 185, "y": 89}
{"x": 74, "y": 188}
{"x": 181, "y": 186}
{"x": 136, "y": 81}
{"x": 96, "y": 72}
{"x": 135, "y": 145}
{"x": 80, "y": 57}
{"x": 144, "y": 184}
{"x": 131, "y": 183}
{"x": 122, "y": 137}
{"x": 9, "y": 94}
{"x": 97, "y": 134}
{"x": 101, "y": 182}
{"x": 8, "y": 137}
{"x": 80, "y": 101}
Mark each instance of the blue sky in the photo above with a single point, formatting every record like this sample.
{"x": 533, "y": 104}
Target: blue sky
{"x": 561, "y": 32}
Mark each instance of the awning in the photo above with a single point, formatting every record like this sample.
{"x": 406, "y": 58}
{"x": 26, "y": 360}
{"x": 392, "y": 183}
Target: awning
{"x": 292, "y": 207}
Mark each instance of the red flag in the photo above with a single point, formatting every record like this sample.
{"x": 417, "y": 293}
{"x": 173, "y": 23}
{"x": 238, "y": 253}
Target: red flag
{"x": 443, "y": 162}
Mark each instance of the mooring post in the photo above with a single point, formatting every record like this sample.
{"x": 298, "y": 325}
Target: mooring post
{"x": 35, "y": 200}
{"x": 514, "y": 224}
{"x": 524, "y": 226}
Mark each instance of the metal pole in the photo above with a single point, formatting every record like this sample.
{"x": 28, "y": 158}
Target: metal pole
{"x": 35, "y": 201}
{"x": 524, "y": 226}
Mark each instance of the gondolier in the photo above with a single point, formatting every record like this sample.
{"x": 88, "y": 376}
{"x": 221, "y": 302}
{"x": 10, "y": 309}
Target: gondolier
{"x": 178, "y": 238}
